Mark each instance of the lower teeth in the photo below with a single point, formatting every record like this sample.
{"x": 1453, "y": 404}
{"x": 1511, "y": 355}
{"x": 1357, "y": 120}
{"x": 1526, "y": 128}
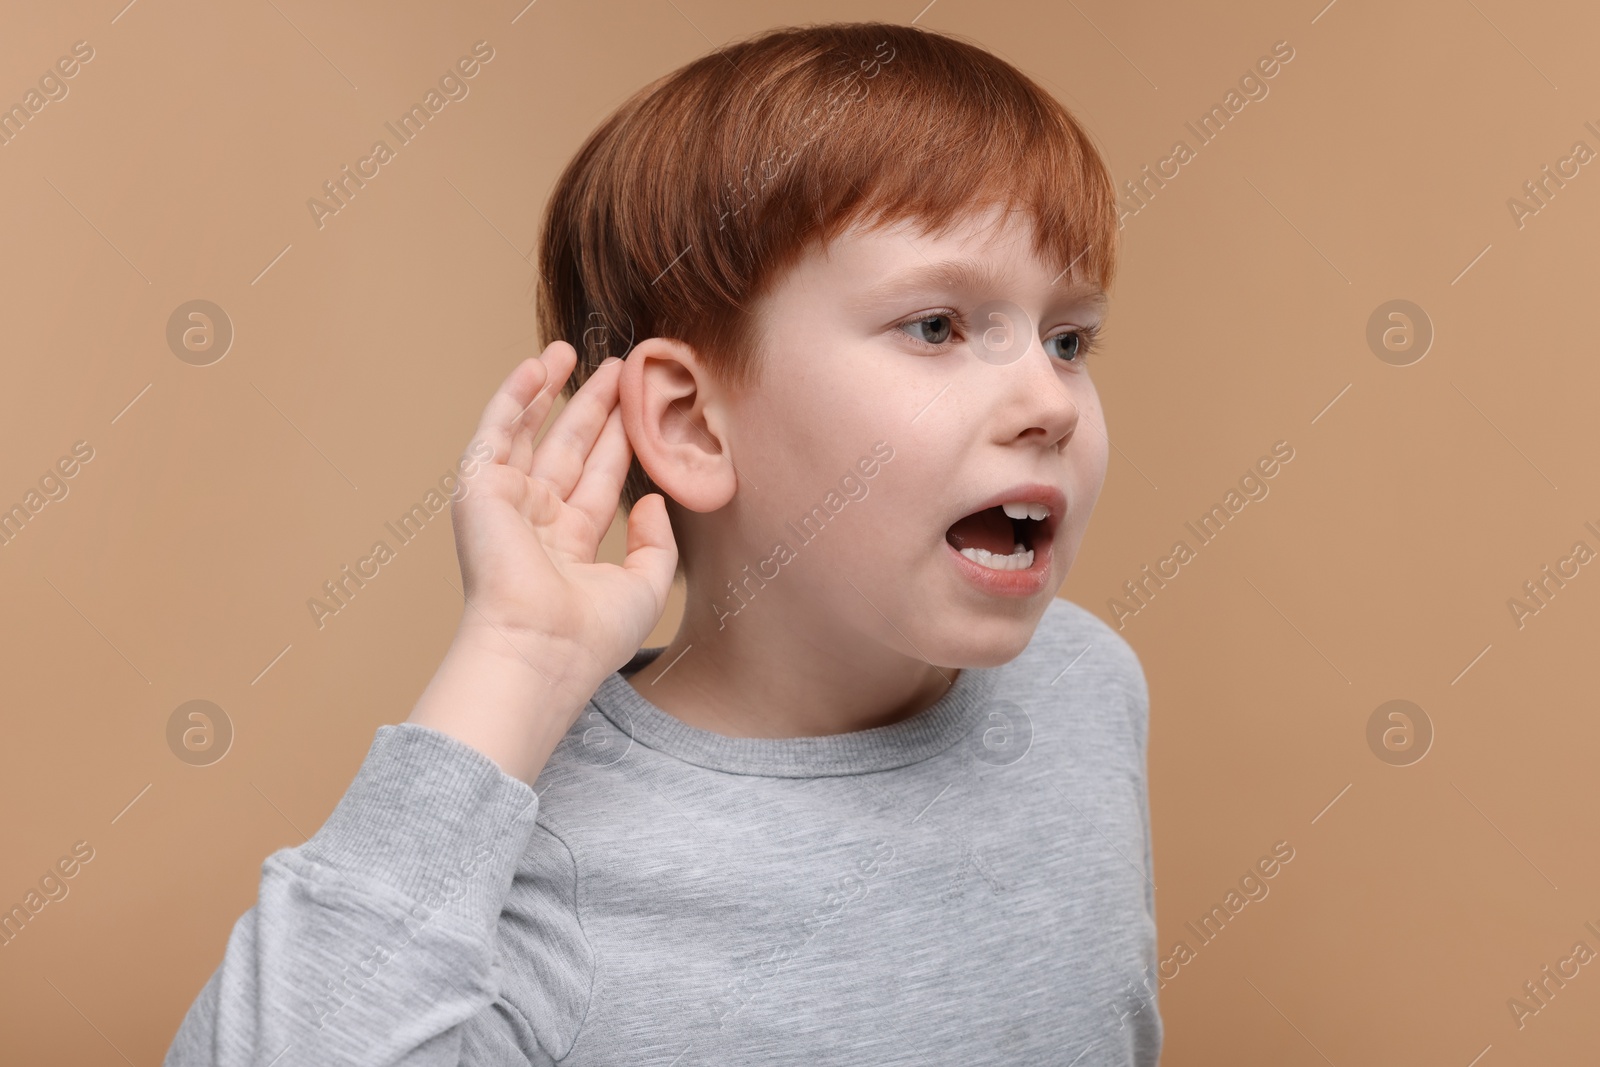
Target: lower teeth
{"x": 1020, "y": 559}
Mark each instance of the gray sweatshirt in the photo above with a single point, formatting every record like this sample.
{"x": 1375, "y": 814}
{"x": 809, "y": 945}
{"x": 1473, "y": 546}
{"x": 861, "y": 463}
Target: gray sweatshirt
{"x": 971, "y": 885}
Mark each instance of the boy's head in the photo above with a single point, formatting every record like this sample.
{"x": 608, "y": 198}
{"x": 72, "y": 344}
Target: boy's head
{"x": 853, "y": 269}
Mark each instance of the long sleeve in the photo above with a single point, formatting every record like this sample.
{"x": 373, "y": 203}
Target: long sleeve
{"x": 376, "y": 941}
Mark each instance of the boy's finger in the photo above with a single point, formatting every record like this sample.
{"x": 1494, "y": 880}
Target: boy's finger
{"x": 525, "y": 397}
{"x": 652, "y": 552}
{"x": 600, "y": 488}
{"x": 527, "y": 426}
{"x": 561, "y": 455}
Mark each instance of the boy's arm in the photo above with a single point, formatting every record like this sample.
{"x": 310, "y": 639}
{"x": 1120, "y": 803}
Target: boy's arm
{"x": 374, "y": 941}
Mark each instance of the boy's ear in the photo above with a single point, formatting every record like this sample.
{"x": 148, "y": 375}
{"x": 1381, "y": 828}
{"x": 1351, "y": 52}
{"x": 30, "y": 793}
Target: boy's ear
{"x": 675, "y": 417}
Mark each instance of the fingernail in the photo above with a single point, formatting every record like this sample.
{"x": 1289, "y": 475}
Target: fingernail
{"x": 609, "y": 359}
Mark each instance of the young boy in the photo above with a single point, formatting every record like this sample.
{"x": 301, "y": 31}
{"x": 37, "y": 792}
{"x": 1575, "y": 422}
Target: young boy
{"x": 882, "y": 799}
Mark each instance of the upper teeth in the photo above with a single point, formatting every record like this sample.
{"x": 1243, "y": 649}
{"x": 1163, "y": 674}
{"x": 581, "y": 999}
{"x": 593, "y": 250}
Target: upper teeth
{"x": 1020, "y": 510}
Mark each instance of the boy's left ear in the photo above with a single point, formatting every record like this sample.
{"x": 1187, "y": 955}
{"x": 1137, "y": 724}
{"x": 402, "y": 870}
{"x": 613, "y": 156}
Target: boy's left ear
{"x": 675, "y": 416}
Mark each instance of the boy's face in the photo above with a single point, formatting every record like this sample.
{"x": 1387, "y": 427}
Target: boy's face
{"x": 981, "y": 391}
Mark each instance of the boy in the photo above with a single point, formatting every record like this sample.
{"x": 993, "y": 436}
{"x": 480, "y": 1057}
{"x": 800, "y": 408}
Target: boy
{"x": 882, "y": 799}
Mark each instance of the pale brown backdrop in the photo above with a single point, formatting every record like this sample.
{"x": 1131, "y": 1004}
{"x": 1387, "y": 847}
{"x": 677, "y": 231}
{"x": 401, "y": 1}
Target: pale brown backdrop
{"x": 1420, "y": 498}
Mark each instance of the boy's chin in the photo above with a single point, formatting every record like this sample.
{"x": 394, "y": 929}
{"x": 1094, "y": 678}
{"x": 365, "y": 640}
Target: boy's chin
{"x": 992, "y": 644}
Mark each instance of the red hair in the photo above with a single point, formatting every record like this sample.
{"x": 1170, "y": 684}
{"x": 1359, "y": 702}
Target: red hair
{"x": 697, "y": 194}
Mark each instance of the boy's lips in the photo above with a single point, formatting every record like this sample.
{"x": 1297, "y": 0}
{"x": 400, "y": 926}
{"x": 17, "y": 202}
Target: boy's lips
{"x": 982, "y": 544}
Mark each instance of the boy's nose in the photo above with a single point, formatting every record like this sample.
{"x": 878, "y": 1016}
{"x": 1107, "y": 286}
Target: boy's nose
{"x": 1001, "y": 332}
{"x": 1005, "y": 339}
{"x": 1045, "y": 406}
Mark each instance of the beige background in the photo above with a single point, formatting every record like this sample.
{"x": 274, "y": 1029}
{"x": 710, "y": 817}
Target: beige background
{"x": 1379, "y": 567}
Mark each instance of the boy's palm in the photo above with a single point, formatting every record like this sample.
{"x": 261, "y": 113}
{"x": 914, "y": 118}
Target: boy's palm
{"x": 529, "y": 525}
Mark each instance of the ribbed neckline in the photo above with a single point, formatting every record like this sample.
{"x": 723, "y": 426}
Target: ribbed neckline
{"x": 881, "y": 748}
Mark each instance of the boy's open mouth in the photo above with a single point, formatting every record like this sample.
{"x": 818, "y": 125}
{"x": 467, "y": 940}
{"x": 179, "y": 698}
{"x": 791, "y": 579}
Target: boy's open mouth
{"x": 1003, "y": 537}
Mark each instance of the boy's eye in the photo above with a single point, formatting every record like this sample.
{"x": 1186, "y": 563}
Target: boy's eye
{"x": 1070, "y": 345}
{"x": 933, "y": 330}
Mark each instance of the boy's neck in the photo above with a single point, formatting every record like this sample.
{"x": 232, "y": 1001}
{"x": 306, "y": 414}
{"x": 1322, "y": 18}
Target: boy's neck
{"x": 753, "y": 678}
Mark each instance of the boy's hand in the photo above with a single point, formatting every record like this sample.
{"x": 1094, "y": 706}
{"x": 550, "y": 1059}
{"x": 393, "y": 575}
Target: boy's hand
{"x": 544, "y": 623}
{"x": 529, "y": 525}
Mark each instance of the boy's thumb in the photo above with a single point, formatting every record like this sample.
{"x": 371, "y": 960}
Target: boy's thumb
{"x": 651, "y": 549}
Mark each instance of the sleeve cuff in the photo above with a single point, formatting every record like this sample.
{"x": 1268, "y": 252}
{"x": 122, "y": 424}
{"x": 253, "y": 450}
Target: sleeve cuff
{"x": 433, "y": 818}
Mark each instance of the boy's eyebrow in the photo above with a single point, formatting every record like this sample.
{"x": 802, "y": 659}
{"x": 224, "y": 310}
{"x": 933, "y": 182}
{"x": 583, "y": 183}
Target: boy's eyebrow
{"x": 970, "y": 275}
